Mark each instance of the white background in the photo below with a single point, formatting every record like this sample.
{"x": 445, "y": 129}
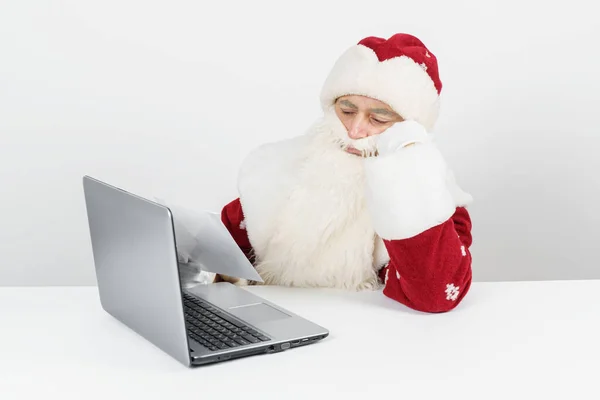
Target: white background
{"x": 166, "y": 98}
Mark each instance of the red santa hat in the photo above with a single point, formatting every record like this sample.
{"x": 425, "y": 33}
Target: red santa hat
{"x": 399, "y": 71}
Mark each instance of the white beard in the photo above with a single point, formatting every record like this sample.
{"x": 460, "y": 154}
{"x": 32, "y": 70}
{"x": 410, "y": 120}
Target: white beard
{"x": 319, "y": 234}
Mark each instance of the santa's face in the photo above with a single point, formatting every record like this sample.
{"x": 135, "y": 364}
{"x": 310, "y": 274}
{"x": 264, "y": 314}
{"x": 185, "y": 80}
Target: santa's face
{"x": 363, "y": 118}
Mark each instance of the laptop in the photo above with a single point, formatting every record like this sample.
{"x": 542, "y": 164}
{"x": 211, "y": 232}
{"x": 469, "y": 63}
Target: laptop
{"x": 135, "y": 257}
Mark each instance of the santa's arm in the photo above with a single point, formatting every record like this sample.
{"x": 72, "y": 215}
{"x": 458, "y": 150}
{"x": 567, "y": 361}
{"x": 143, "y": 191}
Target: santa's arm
{"x": 232, "y": 217}
{"x": 431, "y": 272}
{"x": 414, "y": 204}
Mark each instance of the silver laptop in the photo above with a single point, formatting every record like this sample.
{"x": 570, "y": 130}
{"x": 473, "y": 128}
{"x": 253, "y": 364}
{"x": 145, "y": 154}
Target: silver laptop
{"x": 135, "y": 256}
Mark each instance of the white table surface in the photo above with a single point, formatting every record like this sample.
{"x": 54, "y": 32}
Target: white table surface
{"x": 507, "y": 340}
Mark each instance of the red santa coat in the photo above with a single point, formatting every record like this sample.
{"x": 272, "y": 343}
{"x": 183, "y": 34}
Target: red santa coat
{"x": 411, "y": 206}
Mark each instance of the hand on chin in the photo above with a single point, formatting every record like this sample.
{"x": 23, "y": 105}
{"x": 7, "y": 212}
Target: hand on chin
{"x": 401, "y": 135}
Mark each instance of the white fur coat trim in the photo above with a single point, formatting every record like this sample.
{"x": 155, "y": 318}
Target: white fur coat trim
{"x": 399, "y": 82}
{"x": 409, "y": 189}
{"x": 407, "y": 192}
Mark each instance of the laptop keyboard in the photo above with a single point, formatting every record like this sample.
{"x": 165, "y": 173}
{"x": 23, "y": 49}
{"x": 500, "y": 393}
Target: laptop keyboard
{"x": 214, "y": 329}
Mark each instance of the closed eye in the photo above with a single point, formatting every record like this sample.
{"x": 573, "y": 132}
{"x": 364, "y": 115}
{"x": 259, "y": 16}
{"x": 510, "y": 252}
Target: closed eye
{"x": 377, "y": 121}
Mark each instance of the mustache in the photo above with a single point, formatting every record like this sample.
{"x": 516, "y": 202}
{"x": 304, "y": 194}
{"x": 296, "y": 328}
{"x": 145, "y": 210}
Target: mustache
{"x": 366, "y": 146}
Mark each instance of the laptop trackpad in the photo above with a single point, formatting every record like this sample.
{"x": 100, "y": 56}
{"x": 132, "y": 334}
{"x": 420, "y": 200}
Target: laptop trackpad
{"x": 257, "y": 313}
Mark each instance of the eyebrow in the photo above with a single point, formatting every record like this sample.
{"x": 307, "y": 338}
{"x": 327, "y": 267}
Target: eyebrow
{"x": 383, "y": 111}
{"x": 348, "y": 104}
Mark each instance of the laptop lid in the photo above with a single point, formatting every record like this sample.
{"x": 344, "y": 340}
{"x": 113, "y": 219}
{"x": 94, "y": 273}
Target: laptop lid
{"x": 134, "y": 250}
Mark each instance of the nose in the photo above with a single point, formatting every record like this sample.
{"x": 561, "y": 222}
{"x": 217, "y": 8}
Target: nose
{"x": 358, "y": 128}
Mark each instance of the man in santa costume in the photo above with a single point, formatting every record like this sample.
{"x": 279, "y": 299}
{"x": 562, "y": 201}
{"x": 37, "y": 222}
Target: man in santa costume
{"x": 364, "y": 199}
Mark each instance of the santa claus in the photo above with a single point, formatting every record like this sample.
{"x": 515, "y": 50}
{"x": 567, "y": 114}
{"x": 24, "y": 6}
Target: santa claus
{"x": 364, "y": 199}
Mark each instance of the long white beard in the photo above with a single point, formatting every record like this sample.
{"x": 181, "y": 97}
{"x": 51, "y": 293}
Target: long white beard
{"x": 323, "y": 234}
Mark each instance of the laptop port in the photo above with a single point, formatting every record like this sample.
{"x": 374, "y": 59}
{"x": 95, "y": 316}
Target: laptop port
{"x": 295, "y": 342}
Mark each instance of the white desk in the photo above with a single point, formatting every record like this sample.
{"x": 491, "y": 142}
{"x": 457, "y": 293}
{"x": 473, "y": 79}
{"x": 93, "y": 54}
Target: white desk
{"x": 507, "y": 340}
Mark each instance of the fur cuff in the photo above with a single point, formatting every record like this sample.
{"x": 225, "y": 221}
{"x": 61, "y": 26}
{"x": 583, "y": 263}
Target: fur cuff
{"x": 407, "y": 191}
